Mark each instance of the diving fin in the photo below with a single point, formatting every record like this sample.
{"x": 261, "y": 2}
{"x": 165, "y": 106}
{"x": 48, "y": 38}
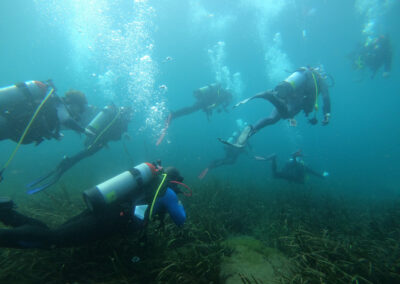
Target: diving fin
{"x": 164, "y": 131}
{"x": 203, "y": 173}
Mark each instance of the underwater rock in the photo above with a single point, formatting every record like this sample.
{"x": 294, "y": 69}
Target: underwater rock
{"x": 252, "y": 262}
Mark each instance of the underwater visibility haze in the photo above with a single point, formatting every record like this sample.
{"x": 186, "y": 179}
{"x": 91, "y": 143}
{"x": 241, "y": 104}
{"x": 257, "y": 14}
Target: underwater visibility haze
{"x": 243, "y": 225}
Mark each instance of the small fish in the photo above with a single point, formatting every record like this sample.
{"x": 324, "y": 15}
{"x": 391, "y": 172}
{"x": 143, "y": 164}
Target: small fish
{"x": 163, "y": 87}
{"x": 167, "y": 59}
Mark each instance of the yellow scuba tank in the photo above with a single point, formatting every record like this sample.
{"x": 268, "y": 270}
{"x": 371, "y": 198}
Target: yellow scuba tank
{"x": 119, "y": 188}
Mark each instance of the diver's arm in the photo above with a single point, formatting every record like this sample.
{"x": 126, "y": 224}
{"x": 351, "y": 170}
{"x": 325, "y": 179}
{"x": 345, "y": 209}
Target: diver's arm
{"x": 387, "y": 64}
{"x": 327, "y": 103}
{"x": 312, "y": 172}
{"x": 173, "y": 206}
{"x": 73, "y": 125}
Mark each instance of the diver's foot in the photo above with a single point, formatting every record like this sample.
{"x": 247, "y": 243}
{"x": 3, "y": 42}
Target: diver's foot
{"x": 164, "y": 131}
{"x": 203, "y": 173}
{"x": 230, "y": 144}
{"x": 6, "y": 204}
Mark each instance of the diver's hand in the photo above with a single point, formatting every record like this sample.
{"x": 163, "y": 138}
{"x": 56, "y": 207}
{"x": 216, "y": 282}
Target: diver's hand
{"x": 326, "y": 119}
{"x": 241, "y": 102}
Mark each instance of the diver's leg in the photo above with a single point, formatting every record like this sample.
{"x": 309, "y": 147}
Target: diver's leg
{"x": 185, "y": 111}
{"x": 88, "y": 227}
{"x": 10, "y": 217}
{"x": 216, "y": 163}
{"x": 274, "y": 168}
{"x": 26, "y": 236}
{"x": 272, "y": 119}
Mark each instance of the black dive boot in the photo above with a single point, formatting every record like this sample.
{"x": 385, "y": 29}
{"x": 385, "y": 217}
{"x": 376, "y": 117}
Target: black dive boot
{"x": 6, "y": 204}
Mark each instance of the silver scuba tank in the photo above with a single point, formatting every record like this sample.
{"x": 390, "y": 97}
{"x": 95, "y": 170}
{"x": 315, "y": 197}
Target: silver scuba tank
{"x": 296, "y": 79}
{"x": 119, "y": 188}
{"x": 102, "y": 119}
{"x": 12, "y": 97}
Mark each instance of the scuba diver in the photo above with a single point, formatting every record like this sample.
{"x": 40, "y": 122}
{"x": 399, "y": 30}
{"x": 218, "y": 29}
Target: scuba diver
{"x": 208, "y": 98}
{"x": 300, "y": 91}
{"x": 374, "y": 54}
{"x": 231, "y": 153}
{"x": 31, "y": 112}
{"x": 108, "y": 125}
{"x": 294, "y": 170}
{"x": 121, "y": 205}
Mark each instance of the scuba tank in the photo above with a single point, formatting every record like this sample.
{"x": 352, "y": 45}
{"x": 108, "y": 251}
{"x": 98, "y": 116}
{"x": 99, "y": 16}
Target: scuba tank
{"x": 102, "y": 119}
{"x": 119, "y": 188}
{"x": 296, "y": 79}
{"x": 18, "y": 97}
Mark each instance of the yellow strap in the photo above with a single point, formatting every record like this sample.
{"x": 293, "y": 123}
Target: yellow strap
{"x": 155, "y": 195}
{"x": 105, "y": 129}
{"x": 316, "y": 91}
{"x": 38, "y": 109}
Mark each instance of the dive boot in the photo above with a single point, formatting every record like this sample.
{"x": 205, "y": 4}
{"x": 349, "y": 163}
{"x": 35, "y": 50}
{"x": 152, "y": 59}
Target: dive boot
{"x": 6, "y": 204}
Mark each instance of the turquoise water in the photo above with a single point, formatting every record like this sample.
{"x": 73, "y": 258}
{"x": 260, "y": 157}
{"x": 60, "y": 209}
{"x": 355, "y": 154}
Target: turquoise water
{"x": 152, "y": 55}
{"x": 116, "y": 50}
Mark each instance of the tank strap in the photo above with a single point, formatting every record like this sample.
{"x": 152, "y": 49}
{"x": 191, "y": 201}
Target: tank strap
{"x": 26, "y": 92}
{"x": 316, "y": 91}
{"x": 137, "y": 176}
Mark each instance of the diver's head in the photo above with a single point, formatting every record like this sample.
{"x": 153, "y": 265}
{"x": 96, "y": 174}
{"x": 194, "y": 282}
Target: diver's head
{"x": 76, "y": 102}
{"x": 173, "y": 174}
{"x": 298, "y": 155}
{"x": 320, "y": 71}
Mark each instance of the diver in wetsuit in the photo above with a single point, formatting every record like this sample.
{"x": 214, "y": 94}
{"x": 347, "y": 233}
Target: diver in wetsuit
{"x": 300, "y": 91}
{"x": 208, "y": 98}
{"x": 19, "y": 102}
{"x": 294, "y": 170}
{"x": 134, "y": 193}
{"x": 231, "y": 153}
{"x": 374, "y": 54}
{"x": 108, "y": 125}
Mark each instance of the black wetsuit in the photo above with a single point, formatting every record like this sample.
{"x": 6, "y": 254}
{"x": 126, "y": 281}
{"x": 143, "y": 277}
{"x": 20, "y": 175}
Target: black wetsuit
{"x": 298, "y": 92}
{"x": 377, "y": 55}
{"x": 85, "y": 227}
{"x": 207, "y": 99}
{"x": 293, "y": 171}
{"x": 93, "y": 143}
{"x": 18, "y": 104}
{"x": 231, "y": 155}
{"x": 113, "y": 133}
